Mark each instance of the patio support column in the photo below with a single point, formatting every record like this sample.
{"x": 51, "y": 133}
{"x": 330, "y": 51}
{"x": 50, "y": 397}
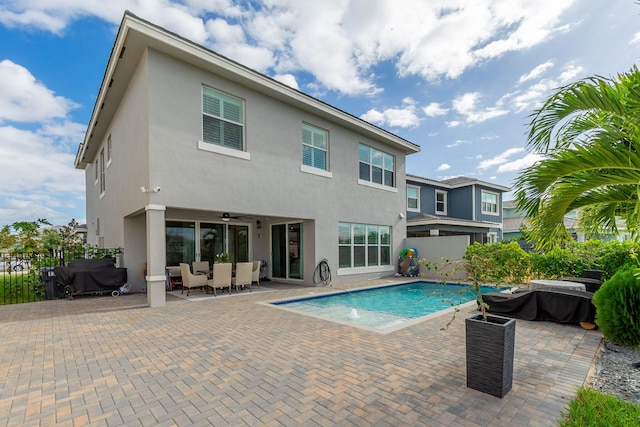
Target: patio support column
{"x": 156, "y": 255}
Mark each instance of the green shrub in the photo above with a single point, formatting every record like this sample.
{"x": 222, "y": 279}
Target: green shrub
{"x": 557, "y": 262}
{"x": 499, "y": 262}
{"x": 576, "y": 257}
{"x": 611, "y": 256}
{"x": 617, "y": 305}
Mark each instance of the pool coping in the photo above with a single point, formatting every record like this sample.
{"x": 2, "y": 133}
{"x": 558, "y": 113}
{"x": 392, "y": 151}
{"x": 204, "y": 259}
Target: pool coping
{"x": 394, "y": 328}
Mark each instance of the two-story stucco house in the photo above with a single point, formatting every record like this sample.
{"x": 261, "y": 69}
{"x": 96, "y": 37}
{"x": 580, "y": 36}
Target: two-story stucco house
{"x": 189, "y": 154}
{"x": 454, "y": 207}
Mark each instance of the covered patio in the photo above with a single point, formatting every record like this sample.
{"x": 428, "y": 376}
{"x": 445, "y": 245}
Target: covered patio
{"x": 229, "y": 361}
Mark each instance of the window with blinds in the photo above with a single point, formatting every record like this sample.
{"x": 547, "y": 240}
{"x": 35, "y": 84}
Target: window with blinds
{"x": 314, "y": 146}
{"x": 441, "y": 202}
{"x": 376, "y": 166}
{"x": 413, "y": 198}
{"x": 489, "y": 203}
{"x": 222, "y": 119}
{"x": 363, "y": 245}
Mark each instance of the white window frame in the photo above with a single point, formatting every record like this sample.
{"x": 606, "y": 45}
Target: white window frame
{"x": 370, "y": 162}
{"x": 222, "y": 148}
{"x": 109, "y": 150}
{"x": 482, "y": 203}
{"x": 315, "y": 132}
{"x": 103, "y": 187}
{"x": 366, "y": 245}
{"x": 492, "y": 237}
{"x": 443, "y": 211}
{"x": 417, "y": 198}
{"x": 96, "y": 169}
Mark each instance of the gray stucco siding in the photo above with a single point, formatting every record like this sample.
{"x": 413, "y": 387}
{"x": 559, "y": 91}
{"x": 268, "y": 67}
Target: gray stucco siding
{"x": 271, "y": 182}
{"x": 129, "y": 166}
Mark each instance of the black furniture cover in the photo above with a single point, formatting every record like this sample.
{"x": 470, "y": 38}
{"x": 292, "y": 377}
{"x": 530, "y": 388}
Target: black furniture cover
{"x": 91, "y": 275}
{"x": 561, "y": 305}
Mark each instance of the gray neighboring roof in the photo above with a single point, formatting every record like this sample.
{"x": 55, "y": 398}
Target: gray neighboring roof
{"x": 509, "y": 204}
{"x": 510, "y": 225}
{"x": 513, "y": 224}
{"x": 136, "y": 34}
{"x": 457, "y": 182}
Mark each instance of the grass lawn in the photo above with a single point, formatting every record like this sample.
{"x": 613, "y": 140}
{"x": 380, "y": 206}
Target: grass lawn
{"x": 592, "y": 408}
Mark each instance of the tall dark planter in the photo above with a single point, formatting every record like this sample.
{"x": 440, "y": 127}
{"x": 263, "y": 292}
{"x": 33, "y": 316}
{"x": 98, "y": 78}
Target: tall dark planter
{"x": 490, "y": 348}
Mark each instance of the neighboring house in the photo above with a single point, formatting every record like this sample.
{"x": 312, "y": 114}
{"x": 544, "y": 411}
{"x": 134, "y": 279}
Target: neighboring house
{"x": 514, "y": 220}
{"x": 189, "y": 154}
{"x": 454, "y": 207}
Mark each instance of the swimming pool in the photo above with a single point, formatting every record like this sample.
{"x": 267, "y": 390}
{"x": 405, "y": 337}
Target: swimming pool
{"x": 384, "y": 307}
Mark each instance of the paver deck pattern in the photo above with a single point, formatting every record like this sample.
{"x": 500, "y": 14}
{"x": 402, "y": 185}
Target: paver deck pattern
{"x": 111, "y": 361}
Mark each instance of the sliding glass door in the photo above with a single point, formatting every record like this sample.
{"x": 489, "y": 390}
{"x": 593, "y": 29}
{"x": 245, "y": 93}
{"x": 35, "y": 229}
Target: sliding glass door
{"x": 286, "y": 249}
{"x": 211, "y": 239}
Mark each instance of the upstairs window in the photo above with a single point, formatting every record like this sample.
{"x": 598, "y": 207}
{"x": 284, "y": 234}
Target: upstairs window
{"x": 441, "y": 202}
{"x": 314, "y": 146}
{"x": 413, "y": 198}
{"x": 102, "y": 173}
{"x": 222, "y": 119}
{"x": 109, "y": 150}
{"x": 376, "y": 166}
{"x": 489, "y": 203}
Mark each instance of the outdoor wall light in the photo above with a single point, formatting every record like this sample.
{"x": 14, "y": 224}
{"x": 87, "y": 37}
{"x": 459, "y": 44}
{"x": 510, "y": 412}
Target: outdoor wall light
{"x": 155, "y": 189}
{"x": 400, "y": 215}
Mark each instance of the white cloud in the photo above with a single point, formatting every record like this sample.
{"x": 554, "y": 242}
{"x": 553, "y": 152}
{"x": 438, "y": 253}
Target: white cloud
{"x": 43, "y": 175}
{"x": 404, "y": 117}
{"x": 499, "y": 159}
{"x": 434, "y": 110}
{"x": 466, "y": 105}
{"x": 338, "y": 42}
{"x": 519, "y": 164}
{"x": 458, "y": 142}
{"x": 39, "y": 158}
{"x": 536, "y": 72}
{"x": 288, "y": 79}
{"x": 443, "y": 167}
{"x": 26, "y": 100}
{"x": 535, "y": 94}
{"x": 635, "y": 39}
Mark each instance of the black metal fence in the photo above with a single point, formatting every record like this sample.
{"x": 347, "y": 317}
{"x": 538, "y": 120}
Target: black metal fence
{"x": 29, "y": 277}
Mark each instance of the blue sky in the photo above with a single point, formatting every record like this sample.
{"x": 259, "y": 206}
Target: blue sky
{"x": 457, "y": 77}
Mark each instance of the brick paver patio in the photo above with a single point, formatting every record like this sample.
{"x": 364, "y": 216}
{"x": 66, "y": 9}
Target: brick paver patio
{"x": 110, "y": 361}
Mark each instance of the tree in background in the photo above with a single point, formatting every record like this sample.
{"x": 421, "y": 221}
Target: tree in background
{"x": 589, "y": 135}
{"x": 28, "y": 235}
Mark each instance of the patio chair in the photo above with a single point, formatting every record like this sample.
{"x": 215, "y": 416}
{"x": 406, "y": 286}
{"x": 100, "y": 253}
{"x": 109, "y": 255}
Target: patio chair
{"x": 244, "y": 275}
{"x": 255, "y": 273}
{"x": 221, "y": 277}
{"x": 190, "y": 280}
{"x": 200, "y": 267}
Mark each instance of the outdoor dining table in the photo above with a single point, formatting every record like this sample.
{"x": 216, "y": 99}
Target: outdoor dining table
{"x": 558, "y": 284}
{"x": 209, "y": 273}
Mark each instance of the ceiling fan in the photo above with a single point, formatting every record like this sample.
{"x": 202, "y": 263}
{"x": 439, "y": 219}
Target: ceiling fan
{"x": 226, "y": 216}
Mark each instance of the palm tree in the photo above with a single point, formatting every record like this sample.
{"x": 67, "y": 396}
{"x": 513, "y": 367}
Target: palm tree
{"x": 589, "y": 135}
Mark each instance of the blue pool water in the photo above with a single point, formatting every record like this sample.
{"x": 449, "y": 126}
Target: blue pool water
{"x": 386, "y": 306}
